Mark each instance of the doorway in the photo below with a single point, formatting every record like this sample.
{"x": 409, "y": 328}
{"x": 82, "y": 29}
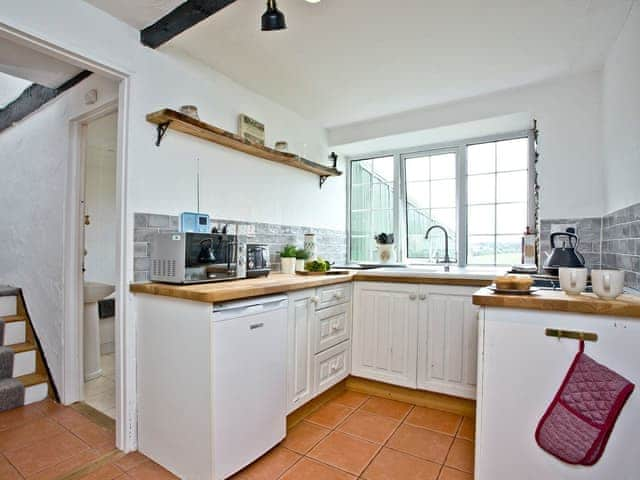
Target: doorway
{"x": 99, "y": 140}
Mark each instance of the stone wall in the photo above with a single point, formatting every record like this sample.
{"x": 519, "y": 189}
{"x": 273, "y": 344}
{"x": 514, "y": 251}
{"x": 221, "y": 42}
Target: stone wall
{"x": 621, "y": 243}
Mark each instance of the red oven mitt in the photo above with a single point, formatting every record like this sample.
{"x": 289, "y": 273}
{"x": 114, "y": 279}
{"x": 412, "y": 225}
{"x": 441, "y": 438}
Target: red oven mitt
{"x": 577, "y": 425}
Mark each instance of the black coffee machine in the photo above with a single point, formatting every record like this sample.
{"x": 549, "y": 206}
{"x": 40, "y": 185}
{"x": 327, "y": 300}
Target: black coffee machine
{"x": 564, "y": 252}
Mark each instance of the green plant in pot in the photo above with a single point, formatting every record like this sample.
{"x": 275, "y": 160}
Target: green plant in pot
{"x": 288, "y": 259}
{"x": 301, "y": 257}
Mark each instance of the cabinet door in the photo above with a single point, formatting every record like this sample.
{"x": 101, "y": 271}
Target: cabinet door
{"x": 448, "y": 341}
{"x": 331, "y": 327}
{"x": 299, "y": 348}
{"x": 385, "y": 327}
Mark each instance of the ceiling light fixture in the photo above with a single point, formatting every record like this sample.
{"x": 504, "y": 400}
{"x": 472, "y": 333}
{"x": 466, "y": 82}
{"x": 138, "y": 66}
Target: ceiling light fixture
{"x": 273, "y": 19}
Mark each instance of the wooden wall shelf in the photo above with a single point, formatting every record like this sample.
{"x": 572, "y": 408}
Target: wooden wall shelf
{"x": 168, "y": 119}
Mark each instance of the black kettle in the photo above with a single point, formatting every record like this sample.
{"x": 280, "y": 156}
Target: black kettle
{"x": 564, "y": 253}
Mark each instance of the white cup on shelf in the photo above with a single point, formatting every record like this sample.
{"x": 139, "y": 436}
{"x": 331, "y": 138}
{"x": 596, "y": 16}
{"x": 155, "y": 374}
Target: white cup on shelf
{"x": 608, "y": 284}
{"x": 573, "y": 280}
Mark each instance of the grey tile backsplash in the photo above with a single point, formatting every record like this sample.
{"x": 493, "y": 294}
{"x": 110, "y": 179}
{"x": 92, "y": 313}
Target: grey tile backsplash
{"x": 612, "y": 241}
{"x": 332, "y": 244}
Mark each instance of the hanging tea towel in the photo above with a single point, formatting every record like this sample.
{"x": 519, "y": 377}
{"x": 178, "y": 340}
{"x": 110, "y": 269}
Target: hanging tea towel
{"x": 577, "y": 425}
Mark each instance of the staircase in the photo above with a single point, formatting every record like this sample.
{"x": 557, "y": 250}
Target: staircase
{"x": 23, "y": 375}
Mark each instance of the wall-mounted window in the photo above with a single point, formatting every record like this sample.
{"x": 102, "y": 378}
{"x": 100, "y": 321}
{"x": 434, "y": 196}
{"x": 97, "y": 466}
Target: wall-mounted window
{"x": 480, "y": 191}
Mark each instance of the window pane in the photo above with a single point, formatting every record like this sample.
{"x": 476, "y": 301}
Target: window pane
{"x": 508, "y": 250}
{"x": 443, "y": 166}
{"x": 360, "y": 223}
{"x": 443, "y": 193}
{"x": 481, "y": 158}
{"x": 417, "y": 169}
{"x": 432, "y": 248}
{"x": 513, "y": 154}
{"x": 418, "y": 194}
{"x": 361, "y": 249}
{"x": 418, "y": 221}
{"x": 445, "y": 217}
{"x": 512, "y": 187}
{"x": 481, "y": 220}
{"x": 360, "y": 197}
{"x": 361, "y": 172}
{"x": 382, "y": 222}
{"x": 481, "y": 189}
{"x": 382, "y": 195}
{"x": 481, "y": 250}
{"x": 512, "y": 218}
{"x": 383, "y": 169}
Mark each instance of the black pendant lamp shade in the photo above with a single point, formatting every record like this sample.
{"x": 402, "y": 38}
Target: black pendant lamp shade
{"x": 273, "y": 19}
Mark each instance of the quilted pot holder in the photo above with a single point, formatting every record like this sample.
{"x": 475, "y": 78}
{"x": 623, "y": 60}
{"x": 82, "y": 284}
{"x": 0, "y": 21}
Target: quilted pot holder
{"x": 577, "y": 425}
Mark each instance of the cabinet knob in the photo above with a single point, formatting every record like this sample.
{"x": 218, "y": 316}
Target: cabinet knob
{"x": 413, "y": 296}
{"x": 423, "y": 296}
{"x": 315, "y": 299}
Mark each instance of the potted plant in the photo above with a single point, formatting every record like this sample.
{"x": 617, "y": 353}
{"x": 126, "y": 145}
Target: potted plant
{"x": 301, "y": 257}
{"x": 385, "y": 243}
{"x": 288, "y": 259}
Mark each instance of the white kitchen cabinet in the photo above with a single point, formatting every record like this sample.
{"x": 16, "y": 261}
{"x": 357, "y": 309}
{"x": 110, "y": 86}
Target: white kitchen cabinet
{"x": 385, "y": 328}
{"x": 331, "y": 366}
{"x": 331, "y": 326}
{"x": 520, "y": 371}
{"x": 447, "y": 340}
{"x": 299, "y": 347}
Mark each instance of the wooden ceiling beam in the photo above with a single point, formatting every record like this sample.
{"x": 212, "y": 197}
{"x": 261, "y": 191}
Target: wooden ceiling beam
{"x": 180, "y": 19}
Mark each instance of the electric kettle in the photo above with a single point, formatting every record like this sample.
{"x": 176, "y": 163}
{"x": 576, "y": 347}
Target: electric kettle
{"x": 564, "y": 253}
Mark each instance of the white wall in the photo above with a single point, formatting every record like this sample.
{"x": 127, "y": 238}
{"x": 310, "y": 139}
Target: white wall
{"x": 568, "y": 111}
{"x": 621, "y": 107}
{"x": 100, "y": 200}
{"x": 33, "y": 160}
{"x": 159, "y": 180}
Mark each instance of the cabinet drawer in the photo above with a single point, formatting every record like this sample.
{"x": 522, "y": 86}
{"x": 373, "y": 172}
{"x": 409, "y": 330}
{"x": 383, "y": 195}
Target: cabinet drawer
{"x": 331, "y": 366}
{"x": 333, "y": 295}
{"x": 331, "y": 326}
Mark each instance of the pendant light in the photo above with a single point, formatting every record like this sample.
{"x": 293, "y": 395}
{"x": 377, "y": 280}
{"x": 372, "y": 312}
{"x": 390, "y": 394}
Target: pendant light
{"x": 273, "y": 19}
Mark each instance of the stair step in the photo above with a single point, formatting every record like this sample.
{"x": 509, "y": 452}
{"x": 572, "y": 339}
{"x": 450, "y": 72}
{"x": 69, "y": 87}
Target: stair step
{"x": 13, "y": 318}
{"x": 36, "y": 387}
{"x": 14, "y": 333}
{"x": 8, "y": 305}
{"x": 24, "y": 361}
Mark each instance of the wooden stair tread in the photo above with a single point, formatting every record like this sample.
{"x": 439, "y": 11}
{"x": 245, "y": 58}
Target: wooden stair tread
{"x": 13, "y": 318}
{"x": 22, "y": 347}
{"x": 32, "y": 379}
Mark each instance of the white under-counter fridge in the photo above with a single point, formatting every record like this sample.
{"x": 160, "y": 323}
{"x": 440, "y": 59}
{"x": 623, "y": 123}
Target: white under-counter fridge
{"x": 211, "y": 383}
{"x": 520, "y": 370}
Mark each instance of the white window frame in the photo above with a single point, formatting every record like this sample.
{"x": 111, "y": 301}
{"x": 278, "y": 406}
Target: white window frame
{"x": 400, "y": 195}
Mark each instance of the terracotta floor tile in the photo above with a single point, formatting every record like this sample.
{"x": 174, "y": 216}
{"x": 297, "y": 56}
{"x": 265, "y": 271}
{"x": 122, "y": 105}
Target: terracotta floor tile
{"x": 49, "y": 407}
{"x": 130, "y": 460}
{"x": 70, "y": 465}
{"x": 307, "y": 469}
{"x": 345, "y": 452}
{"x": 19, "y": 416}
{"x": 150, "y": 471}
{"x": 436, "y": 420}
{"x": 95, "y": 436}
{"x": 351, "y": 399}
{"x": 270, "y": 466}
{"x": 304, "y": 436}
{"x": 105, "y": 472}
{"x": 29, "y": 432}
{"x": 393, "y": 465}
{"x": 387, "y": 407}
{"x": 369, "y": 426}
{"x": 467, "y": 429}
{"x": 461, "y": 455}
{"x": 7, "y": 472}
{"x": 423, "y": 443}
{"x": 330, "y": 415}
{"x": 45, "y": 453}
{"x": 70, "y": 419}
{"x": 452, "y": 474}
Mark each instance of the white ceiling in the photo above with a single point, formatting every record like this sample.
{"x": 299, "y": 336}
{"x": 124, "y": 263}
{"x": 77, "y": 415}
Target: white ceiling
{"x": 137, "y": 13}
{"x": 345, "y": 61}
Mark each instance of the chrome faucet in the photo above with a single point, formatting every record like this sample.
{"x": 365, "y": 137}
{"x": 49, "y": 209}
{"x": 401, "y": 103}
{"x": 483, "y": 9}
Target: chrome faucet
{"x": 447, "y": 260}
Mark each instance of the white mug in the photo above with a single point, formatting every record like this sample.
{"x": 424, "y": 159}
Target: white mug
{"x": 573, "y": 280}
{"x": 608, "y": 284}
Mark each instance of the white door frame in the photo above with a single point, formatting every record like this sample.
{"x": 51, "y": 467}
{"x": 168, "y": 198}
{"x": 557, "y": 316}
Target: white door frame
{"x": 126, "y": 405}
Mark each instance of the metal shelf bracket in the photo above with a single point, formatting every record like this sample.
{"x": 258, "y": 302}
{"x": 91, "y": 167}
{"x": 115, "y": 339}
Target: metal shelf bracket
{"x": 162, "y": 130}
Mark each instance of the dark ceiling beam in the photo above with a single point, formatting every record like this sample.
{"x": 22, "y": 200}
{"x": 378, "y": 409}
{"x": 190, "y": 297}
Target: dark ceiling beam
{"x": 34, "y": 97}
{"x": 180, "y": 19}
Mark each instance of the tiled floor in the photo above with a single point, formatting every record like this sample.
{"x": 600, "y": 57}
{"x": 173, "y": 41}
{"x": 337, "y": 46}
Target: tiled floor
{"x": 46, "y": 441}
{"x": 100, "y": 393}
{"x": 356, "y": 436}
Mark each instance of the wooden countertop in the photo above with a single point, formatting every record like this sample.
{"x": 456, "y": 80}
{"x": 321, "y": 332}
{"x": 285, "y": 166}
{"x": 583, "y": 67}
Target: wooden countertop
{"x": 237, "y": 289}
{"x": 424, "y": 279}
{"x": 548, "y": 300}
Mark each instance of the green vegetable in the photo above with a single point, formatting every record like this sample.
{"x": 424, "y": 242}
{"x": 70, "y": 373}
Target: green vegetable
{"x": 318, "y": 265}
{"x": 302, "y": 254}
{"x": 289, "y": 251}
